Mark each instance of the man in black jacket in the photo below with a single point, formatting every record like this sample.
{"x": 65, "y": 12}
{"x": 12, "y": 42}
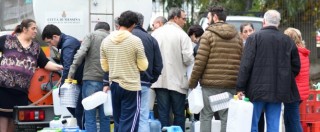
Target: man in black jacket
{"x": 267, "y": 71}
{"x": 151, "y": 75}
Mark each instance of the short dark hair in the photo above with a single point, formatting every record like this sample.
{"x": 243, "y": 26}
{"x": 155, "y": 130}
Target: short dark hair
{"x": 26, "y": 23}
{"x": 219, "y": 11}
{"x": 245, "y": 24}
{"x": 102, "y": 25}
{"x": 49, "y": 31}
{"x": 175, "y": 11}
{"x": 127, "y": 19}
{"x": 196, "y": 30}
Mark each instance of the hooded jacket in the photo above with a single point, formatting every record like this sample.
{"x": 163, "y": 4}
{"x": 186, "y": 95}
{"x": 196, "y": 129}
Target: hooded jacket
{"x": 218, "y": 57}
{"x": 122, "y": 55}
{"x": 302, "y": 79}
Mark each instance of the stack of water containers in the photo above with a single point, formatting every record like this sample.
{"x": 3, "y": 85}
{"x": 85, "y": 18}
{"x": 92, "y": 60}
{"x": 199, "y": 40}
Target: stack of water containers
{"x": 155, "y": 125}
{"x": 62, "y": 125}
{"x": 69, "y": 93}
{"x": 239, "y": 115}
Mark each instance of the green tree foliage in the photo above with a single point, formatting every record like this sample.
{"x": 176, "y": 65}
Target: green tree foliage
{"x": 290, "y": 10}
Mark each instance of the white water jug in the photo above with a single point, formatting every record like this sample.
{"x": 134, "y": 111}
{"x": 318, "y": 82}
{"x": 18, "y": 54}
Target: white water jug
{"x": 215, "y": 125}
{"x": 107, "y": 106}
{"x": 94, "y": 100}
{"x": 239, "y": 115}
{"x": 57, "y": 108}
{"x": 195, "y": 126}
{"x": 56, "y": 123}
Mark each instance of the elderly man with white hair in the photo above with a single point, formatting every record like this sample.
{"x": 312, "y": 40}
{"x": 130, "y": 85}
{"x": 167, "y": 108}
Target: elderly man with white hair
{"x": 267, "y": 73}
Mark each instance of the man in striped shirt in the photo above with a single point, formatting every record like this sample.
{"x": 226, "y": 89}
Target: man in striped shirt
{"x": 122, "y": 55}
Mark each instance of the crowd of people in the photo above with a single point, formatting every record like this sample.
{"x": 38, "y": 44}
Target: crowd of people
{"x": 267, "y": 66}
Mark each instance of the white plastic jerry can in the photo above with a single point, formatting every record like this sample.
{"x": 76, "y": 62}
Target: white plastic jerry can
{"x": 57, "y": 108}
{"x": 215, "y": 125}
{"x": 196, "y": 126}
{"x": 239, "y": 115}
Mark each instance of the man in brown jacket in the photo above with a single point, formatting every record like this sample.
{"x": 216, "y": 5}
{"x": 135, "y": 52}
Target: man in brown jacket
{"x": 216, "y": 64}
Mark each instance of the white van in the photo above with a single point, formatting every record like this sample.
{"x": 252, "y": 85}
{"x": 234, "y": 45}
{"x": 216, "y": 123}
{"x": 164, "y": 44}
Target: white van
{"x": 237, "y": 21}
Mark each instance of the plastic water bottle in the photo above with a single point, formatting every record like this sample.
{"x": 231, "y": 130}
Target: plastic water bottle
{"x": 155, "y": 125}
{"x": 107, "y": 106}
{"x": 195, "y": 126}
{"x": 215, "y": 125}
{"x": 94, "y": 100}
{"x": 220, "y": 101}
{"x": 57, "y": 108}
{"x": 65, "y": 93}
{"x": 173, "y": 129}
{"x": 75, "y": 91}
{"x": 56, "y": 123}
{"x": 69, "y": 93}
{"x": 239, "y": 115}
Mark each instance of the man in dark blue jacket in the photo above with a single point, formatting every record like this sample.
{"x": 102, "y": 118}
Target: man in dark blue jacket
{"x": 68, "y": 45}
{"x": 267, "y": 71}
{"x": 151, "y": 75}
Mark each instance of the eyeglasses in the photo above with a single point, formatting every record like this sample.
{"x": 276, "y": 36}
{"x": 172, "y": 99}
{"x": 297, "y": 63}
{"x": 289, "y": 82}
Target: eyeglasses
{"x": 184, "y": 19}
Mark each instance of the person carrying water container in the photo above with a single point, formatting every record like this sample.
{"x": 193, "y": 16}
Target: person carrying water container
{"x": 216, "y": 64}
{"x": 267, "y": 73}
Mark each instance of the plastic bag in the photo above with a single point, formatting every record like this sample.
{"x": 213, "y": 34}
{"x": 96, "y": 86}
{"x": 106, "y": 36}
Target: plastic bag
{"x": 107, "y": 106}
{"x": 195, "y": 100}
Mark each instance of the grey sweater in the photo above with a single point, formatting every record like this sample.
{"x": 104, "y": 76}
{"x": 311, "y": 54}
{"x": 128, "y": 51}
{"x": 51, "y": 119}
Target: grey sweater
{"x": 90, "y": 52}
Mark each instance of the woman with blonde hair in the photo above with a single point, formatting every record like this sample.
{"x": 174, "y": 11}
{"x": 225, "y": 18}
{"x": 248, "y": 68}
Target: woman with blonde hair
{"x": 291, "y": 110}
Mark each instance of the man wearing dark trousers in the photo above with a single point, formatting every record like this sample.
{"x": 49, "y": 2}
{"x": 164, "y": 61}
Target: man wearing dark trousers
{"x": 122, "y": 56}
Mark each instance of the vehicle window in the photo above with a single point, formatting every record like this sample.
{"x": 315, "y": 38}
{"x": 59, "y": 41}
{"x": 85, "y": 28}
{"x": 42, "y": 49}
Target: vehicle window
{"x": 257, "y": 25}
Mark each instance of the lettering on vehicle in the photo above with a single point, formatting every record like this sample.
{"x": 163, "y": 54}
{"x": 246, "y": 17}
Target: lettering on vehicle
{"x": 64, "y": 18}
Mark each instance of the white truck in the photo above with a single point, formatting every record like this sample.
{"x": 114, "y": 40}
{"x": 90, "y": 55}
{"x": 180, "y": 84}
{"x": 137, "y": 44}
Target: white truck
{"x": 74, "y": 17}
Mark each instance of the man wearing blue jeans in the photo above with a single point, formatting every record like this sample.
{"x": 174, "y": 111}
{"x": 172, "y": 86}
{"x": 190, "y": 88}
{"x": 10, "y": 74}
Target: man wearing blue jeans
{"x": 267, "y": 71}
{"x": 151, "y": 75}
{"x": 93, "y": 74}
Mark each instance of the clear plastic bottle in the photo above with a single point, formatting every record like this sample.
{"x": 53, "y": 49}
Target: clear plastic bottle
{"x": 75, "y": 90}
{"x": 57, "y": 108}
{"x": 69, "y": 93}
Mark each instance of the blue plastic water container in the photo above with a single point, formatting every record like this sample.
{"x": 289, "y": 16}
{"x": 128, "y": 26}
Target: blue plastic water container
{"x": 155, "y": 125}
{"x": 173, "y": 129}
